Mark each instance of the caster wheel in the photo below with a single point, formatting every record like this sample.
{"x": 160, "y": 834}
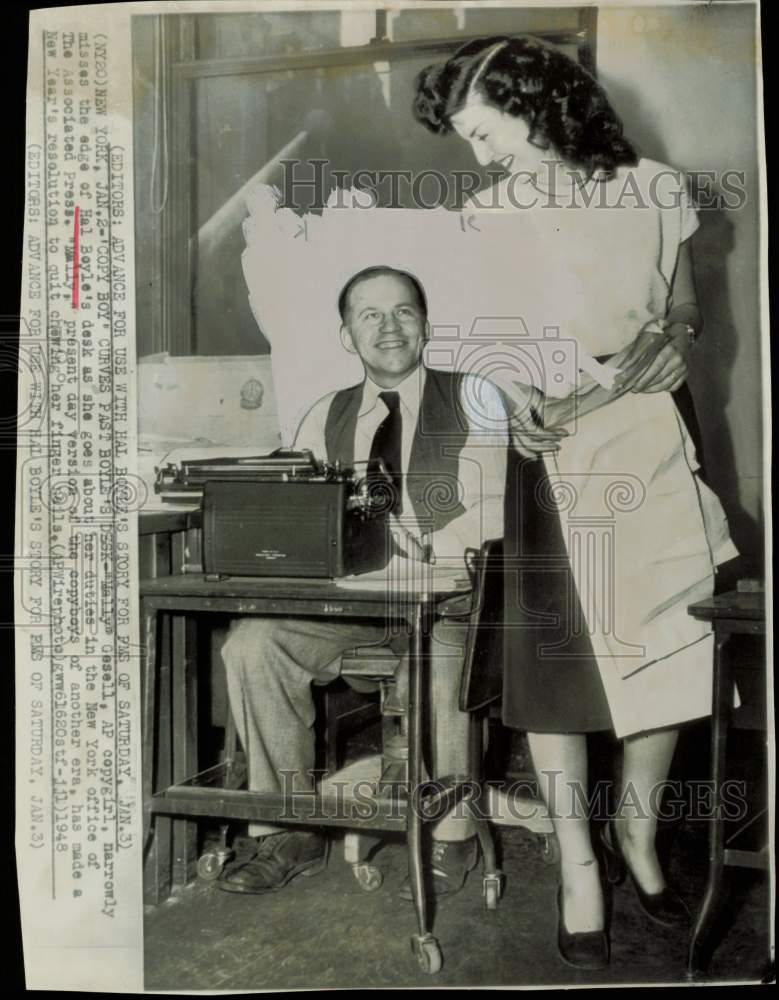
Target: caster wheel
{"x": 492, "y": 890}
{"x": 550, "y": 850}
{"x": 209, "y": 866}
{"x": 428, "y": 954}
{"x": 368, "y": 876}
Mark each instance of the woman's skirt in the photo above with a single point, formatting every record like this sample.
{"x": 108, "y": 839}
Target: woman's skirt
{"x": 606, "y": 544}
{"x": 551, "y": 680}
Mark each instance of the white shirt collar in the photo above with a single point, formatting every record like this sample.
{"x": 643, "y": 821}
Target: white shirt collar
{"x": 410, "y": 391}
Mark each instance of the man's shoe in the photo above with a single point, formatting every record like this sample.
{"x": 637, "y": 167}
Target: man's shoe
{"x": 451, "y": 860}
{"x": 279, "y": 858}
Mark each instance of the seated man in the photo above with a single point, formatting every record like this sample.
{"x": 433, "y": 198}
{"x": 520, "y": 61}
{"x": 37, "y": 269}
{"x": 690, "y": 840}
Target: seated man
{"x": 443, "y": 439}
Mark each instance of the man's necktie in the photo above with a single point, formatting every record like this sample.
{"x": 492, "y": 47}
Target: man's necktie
{"x": 386, "y": 446}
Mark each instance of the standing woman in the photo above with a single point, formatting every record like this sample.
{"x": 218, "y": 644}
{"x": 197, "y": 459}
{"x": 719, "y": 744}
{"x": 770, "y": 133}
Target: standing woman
{"x": 612, "y": 232}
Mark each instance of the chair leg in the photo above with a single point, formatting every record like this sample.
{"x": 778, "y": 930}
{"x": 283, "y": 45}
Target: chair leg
{"x": 327, "y": 730}
{"x": 492, "y": 876}
{"x": 339, "y": 714}
{"x": 211, "y": 863}
{"x": 234, "y": 773}
{"x": 358, "y": 849}
{"x": 477, "y": 741}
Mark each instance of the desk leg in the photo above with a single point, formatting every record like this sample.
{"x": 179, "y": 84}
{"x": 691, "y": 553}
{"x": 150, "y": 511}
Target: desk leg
{"x": 184, "y": 735}
{"x": 157, "y": 754}
{"x": 149, "y": 691}
{"x": 722, "y": 695}
{"x": 424, "y": 945}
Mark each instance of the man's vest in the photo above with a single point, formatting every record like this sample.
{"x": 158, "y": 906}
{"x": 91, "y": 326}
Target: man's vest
{"x": 431, "y": 479}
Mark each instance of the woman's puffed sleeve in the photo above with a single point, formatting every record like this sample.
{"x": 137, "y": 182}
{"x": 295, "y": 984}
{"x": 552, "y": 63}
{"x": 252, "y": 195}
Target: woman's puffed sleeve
{"x": 688, "y": 212}
{"x": 677, "y": 216}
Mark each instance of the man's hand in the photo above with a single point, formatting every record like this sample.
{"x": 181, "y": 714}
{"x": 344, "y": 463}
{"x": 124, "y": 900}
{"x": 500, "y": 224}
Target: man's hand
{"x": 534, "y": 441}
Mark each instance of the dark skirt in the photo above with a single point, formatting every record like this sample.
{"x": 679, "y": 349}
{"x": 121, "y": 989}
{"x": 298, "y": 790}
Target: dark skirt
{"x": 551, "y": 680}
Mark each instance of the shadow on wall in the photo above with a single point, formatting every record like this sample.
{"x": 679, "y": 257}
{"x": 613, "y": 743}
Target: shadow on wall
{"x": 646, "y": 138}
{"x": 711, "y": 376}
{"x": 711, "y": 384}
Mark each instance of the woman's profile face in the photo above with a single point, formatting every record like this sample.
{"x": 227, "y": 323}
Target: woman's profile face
{"x": 499, "y": 138}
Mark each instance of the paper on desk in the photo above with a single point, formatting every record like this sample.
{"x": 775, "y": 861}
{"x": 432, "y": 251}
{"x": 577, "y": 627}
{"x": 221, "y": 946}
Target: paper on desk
{"x": 160, "y": 444}
{"x": 194, "y": 452}
{"x": 408, "y": 576}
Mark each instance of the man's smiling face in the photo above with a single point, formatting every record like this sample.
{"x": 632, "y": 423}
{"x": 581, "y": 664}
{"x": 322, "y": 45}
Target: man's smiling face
{"x": 386, "y": 326}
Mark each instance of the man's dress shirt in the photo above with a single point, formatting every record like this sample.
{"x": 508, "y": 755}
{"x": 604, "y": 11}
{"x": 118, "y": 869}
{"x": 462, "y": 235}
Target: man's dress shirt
{"x": 481, "y": 467}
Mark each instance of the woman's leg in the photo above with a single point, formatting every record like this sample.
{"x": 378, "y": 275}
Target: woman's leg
{"x": 646, "y": 763}
{"x": 560, "y": 762}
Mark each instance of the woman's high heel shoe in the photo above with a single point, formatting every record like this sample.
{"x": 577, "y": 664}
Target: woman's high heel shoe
{"x": 614, "y": 865}
{"x": 584, "y": 949}
{"x": 666, "y": 907}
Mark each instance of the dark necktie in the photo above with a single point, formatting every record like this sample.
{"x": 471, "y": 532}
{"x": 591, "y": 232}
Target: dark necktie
{"x": 386, "y": 446}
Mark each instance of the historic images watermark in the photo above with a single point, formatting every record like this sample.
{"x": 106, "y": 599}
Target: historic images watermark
{"x": 521, "y": 801}
{"x": 315, "y": 183}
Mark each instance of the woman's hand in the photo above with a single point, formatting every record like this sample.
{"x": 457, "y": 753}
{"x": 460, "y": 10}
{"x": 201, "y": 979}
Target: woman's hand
{"x": 654, "y": 362}
{"x": 662, "y": 366}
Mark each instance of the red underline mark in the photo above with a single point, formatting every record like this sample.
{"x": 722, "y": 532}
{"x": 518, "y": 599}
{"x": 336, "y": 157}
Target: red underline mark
{"x": 75, "y": 258}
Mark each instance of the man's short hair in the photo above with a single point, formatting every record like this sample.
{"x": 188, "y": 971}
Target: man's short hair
{"x": 376, "y": 272}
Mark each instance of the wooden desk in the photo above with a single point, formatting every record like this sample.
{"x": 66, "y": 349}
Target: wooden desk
{"x": 729, "y": 614}
{"x": 170, "y": 720}
{"x": 167, "y": 540}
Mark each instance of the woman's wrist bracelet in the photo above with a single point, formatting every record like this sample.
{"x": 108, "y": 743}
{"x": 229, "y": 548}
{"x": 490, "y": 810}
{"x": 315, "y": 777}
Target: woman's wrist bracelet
{"x": 690, "y": 332}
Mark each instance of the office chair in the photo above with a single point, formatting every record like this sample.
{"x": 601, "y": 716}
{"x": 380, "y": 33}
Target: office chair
{"x": 373, "y": 668}
{"x": 480, "y": 686}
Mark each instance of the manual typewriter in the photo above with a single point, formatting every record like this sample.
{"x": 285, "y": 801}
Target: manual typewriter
{"x": 283, "y": 514}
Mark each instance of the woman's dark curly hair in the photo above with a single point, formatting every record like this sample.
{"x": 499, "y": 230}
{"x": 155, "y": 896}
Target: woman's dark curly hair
{"x": 561, "y": 102}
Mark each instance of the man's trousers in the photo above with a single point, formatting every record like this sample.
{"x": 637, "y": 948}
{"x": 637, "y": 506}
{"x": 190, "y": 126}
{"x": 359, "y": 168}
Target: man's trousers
{"x": 271, "y": 664}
